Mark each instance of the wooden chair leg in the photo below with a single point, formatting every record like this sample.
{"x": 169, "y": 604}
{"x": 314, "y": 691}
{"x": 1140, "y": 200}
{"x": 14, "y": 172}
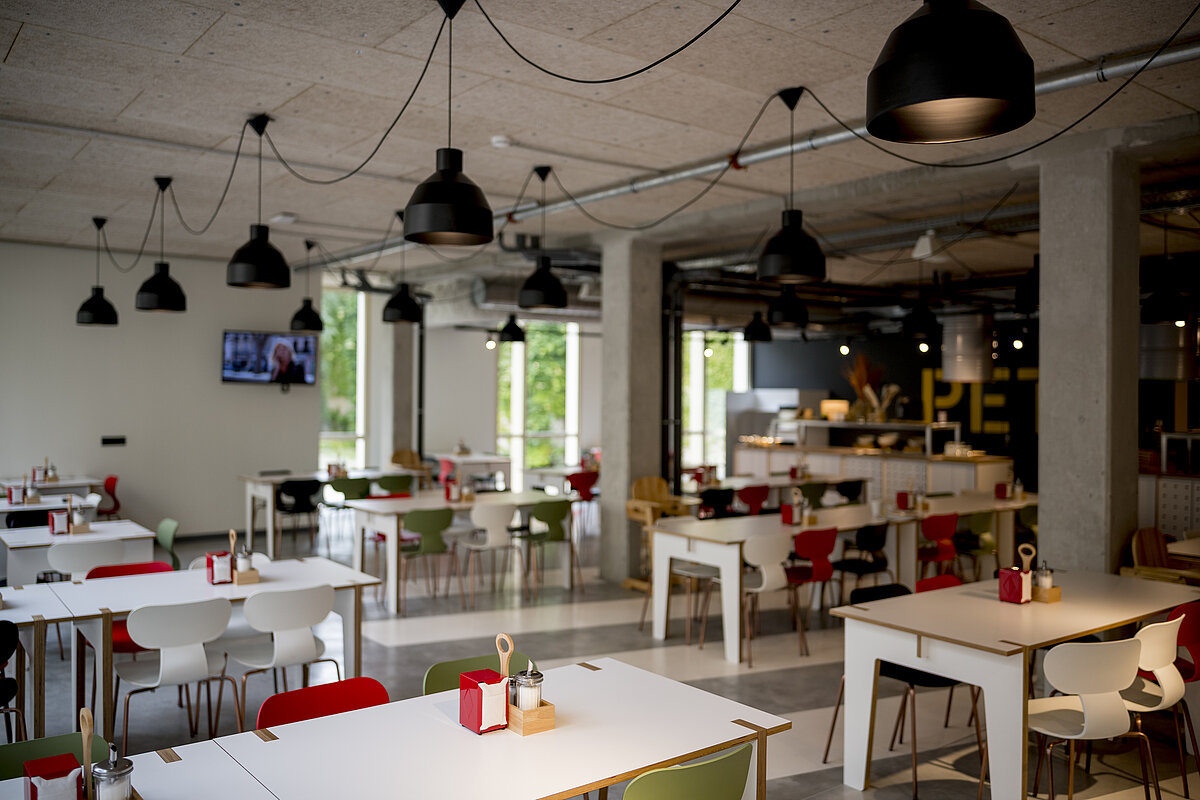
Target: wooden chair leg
{"x": 704, "y": 612}
{"x": 1180, "y": 749}
{"x": 896, "y": 727}
{"x": 833, "y": 722}
{"x": 912, "y": 732}
{"x": 949, "y": 702}
{"x": 1187, "y": 718}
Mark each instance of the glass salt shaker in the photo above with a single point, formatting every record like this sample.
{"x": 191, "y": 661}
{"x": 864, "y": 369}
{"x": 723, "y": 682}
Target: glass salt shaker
{"x": 527, "y": 688}
{"x": 113, "y": 779}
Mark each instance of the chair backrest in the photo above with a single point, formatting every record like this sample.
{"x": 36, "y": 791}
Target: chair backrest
{"x": 494, "y": 518}
{"x": 429, "y": 522}
{"x": 8, "y": 640}
{"x": 868, "y": 594}
{"x": 321, "y": 701}
{"x": 445, "y": 469}
{"x": 555, "y": 515}
{"x": 1159, "y": 648}
{"x": 768, "y": 552}
{"x": 939, "y": 527}
{"x": 351, "y": 488}
{"x": 166, "y": 538}
{"x": 26, "y": 519}
{"x": 110, "y": 487}
{"x": 289, "y": 615}
{"x": 716, "y": 501}
{"x": 1149, "y": 548}
{"x": 178, "y": 631}
{"x": 980, "y": 523}
{"x": 1189, "y": 635}
{"x": 299, "y": 497}
{"x": 650, "y": 487}
{"x": 118, "y": 570}
{"x": 13, "y": 756}
{"x": 938, "y": 582}
{"x": 407, "y": 459}
{"x": 817, "y": 545}
{"x": 871, "y": 538}
{"x": 851, "y": 490}
{"x": 813, "y": 492}
{"x": 396, "y": 484}
{"x": 75, "y": 558}
{"x": 582, "y": 483}
{"x": 443, "y": 676}
{"x": 754, "y": 497}
{"x": 1096, "y": 672}
{"x": 720, "y": 778}
{"x": 94, "y": 499}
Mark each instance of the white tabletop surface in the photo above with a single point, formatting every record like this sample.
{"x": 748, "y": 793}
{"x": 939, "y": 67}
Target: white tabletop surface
{"x": 123, "y": 594}
{"x": 63, "y": 480}
{"x": 1187, "y": 548}
{"x": 50, "y": 502}
{"x": 100, "y": 532}
{"x": 323, "y": 476}
{"x": 738, "y": 482}
{"x": 730, "y": 530}
{"x": 23, "y": 603}
{"x": 608, "y": 723}
{"x": 436, "y": 498}
{"x": 973, "y": 615}
{"x": 472, "y": 458}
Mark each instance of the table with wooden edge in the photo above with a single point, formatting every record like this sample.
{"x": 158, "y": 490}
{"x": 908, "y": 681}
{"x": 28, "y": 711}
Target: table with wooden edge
{"x": 27, "y": 547}
{"x": 466, "y": 462}
{"x": 967, "y": 634}
{"x": 261, "y": 488}
{"x": 612, "y": 723}
{"x": 85, "y": 482}
{"x": 48, "y": 503}
{"x": 32, "y": 608}
{"x": 93, "y": 604}
{"x": 386, "y": 516}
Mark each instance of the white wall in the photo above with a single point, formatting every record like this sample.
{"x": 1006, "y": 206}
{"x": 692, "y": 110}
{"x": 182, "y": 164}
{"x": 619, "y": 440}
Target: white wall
{"x": 591, "y": 350}
{"x": 460, "y": 391}
{"x": 155, "y": 378}
{"x": 378, "y": 401}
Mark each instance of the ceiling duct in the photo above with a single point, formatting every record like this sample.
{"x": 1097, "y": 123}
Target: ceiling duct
{"x": 1167, "y": 352}
{"x": 967, "y": 348}
{"x": 500, "y": 294}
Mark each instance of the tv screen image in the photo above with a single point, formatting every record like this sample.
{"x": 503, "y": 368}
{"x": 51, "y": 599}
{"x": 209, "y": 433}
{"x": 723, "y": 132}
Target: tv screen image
{"x": 263, "y": 357}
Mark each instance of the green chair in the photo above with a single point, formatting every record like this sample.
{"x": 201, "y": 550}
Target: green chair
{"x": 166, "y": 539}
{"x": 351, "y": 488}
{"x": 813, "y": 492}
{"x": 396, "y": 484}
{"x": 13, "y": 756}
{"x": 430, "y": 524}
{"x": 720, "y": 778}
{"x": 443, "y": 676}
{"x": 556, "y": 516}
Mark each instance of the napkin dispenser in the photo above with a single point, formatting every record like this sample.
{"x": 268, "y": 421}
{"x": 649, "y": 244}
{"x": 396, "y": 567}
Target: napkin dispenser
{"x": 1016, "y": 583}
{"x": 483, "y": 700}
{"x": 59, "y": 522}
{"x": 57, "y": 777}
{"x": 16, "y": 495}
{"x": 219, "y": 565}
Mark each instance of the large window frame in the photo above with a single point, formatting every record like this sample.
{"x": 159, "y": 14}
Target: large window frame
{"x": 725, "y": 369}
{"x": 349, "y": 447}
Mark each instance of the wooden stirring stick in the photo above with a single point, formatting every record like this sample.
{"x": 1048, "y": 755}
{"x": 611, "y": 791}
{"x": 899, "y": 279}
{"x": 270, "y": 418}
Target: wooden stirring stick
{"x": 505, "y": 654}
{"x": 85, "y": 726}
{"x": 233, "y": 542}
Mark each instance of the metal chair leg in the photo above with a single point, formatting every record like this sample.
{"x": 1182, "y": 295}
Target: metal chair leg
{"x": 833, "y": 722}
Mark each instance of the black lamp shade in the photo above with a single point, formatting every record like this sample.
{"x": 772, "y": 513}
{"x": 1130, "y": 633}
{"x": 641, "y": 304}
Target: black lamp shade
{"x": 542, "y": 289}
{"x": 757, "y": 330}
{"x": 160, "y": 292}
{"x": 447, "y": 207}
{"x": 1164, "y": 305}
{"x": 921, "y": 324}
{"x": 96, "y": 310}
{"x": 511, "y": 332}
{"x": 307, "y": 318}
{"x": 402, "y": 307}
{"x": 792, "y": 256}
{"x": 257, "y": 264}
{"x": 787, "y": 310}
{"x": 953, "y": 71}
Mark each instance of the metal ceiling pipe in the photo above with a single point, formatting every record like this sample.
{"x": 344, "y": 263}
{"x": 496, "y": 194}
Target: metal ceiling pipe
{"x": 1105, "y": 69}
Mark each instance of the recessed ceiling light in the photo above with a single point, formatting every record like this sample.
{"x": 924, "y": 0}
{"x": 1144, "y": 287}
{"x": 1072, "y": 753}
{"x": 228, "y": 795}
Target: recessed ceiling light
{"x": 284, "y": 218}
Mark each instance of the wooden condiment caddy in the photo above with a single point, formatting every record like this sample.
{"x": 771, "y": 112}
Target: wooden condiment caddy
{"x": 532, "y": 721}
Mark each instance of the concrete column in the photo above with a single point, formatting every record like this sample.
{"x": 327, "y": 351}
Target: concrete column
{"x": 404, "y": 382}
{"x": 631, "y": 418}
{"x": 1087, "y": 419}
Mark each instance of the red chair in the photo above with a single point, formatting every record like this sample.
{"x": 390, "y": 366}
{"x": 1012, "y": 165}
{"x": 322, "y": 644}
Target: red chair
{"x": 321, "y": 701}
{"x": 582, "y": 484}
{"x": 815, "y": 546}
{"x": 110, "y": 488}
{"x": 754, "y": 497}
{"x": 939, "y": 529}
{"x": 447, "y": 470}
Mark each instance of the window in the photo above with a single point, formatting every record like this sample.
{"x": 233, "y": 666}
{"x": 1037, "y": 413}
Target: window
{"x": 713, "y": 364}
{"x": 342, "y": 437}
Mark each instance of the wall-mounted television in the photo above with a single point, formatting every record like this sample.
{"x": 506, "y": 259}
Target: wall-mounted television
{"x": 263, "y": 357}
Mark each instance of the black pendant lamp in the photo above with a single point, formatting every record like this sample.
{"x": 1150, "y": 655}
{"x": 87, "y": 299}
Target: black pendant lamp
{"x": 511, "y": 332}
{"x": 402, "y": 306}
{"x": 307, "y": 318}
{"x": 791, "y": 256}
{"x": 448, "y": 207}
{"x": 953, "y": 71}
{"x": 542, "y": 289}
{"x": 96, "y": 310}
{"x": 161, "y": 292}
{"x": 787, "y": 310}
{"x": 257, "y": 264}
{"x": 758, "y": 330}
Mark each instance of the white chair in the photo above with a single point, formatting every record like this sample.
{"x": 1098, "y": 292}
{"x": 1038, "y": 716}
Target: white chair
{"x": 766, "y": 554}
{"x": 288, "y": 616}
{"x": 1165, "y": 692}
{"x": 237, "y": 628}
{"x": 93, "y": 499}
{"x": 1091, "y": 677}
{"x": 76, "y": 557}
{"x": 178, "y": 632}
{"x": 493, "y": 519}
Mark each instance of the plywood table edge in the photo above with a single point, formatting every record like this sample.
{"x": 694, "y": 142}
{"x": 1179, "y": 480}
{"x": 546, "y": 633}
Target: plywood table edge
{"x": 859, "y": 617}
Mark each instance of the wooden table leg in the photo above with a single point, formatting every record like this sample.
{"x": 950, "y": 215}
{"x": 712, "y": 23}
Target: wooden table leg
{"x": 20, "y": 666}
{"x": 104, "y": 647}
{"x": 760, "y": 747}
{"x": 39, "y": 677}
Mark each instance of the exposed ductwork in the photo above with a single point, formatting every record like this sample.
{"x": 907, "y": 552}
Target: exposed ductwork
{"x": 500, "y": 294}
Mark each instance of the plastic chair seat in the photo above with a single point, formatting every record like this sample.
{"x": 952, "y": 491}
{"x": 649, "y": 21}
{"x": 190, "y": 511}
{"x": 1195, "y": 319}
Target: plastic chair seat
{"x": 690, "y": 569}
{"x": 1144, "y": 695}
{"x": 806, "y": 573}
{"x": 259, "y": 653}
{"x": 144, "y": 671}
{"x": 324, "y": 700}
{"x": 944, "y": 551}
{"x": 1060, "y": 716}
{"x": 860, "y": 566}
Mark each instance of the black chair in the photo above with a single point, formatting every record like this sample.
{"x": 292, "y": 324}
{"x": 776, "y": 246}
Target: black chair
{"x": 26, "y": 519}
{"x": 864, "y": 557}
{"x": 851, "y": 490}
{"x": 9, "y": 686}
{"x": 715, "y": 503}
{"x": 300, "y": 497}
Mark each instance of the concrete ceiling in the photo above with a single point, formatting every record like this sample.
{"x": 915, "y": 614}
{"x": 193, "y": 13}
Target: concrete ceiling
{"x": 97, "y": 98}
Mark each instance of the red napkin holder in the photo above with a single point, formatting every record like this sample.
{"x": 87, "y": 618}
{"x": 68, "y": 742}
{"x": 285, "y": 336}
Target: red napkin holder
{"x": 789, "y": 514}
{"x": 37, "y": 475}
{"x": 16, "y": 495}
{"x": 55, "y": 768}
{"x": 219, "y": 565}
{"x": 904, "y": 500}
{"x": 793, "y": 472}
{"x": 483, "y": 700}
{"x": 59, "y": 521}
{"x": 1016, "y": 585}
{"x": 1003, "y": 491}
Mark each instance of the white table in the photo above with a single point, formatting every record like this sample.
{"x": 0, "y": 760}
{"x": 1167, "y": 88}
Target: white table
{"x": 85, "y": 482}
{"x": 1188, "y": 549}
{"x": 387, "y": 517}
{"x": 262, "y": 488}
{"x": 613, "y": 722}
{"x": 474, "y": 463}
{"x": 93, "y": 604}
{"x": 27, "y": 547}
{"x": 32, "y": 608}
{"x": 967, "y": 634}
{"x": 49, "y": 502}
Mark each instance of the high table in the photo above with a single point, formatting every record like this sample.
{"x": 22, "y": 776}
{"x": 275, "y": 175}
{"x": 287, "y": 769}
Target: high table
{"x": 262, "y": 487}
{"x": 27, "y": 547}
{"x": 480, "y": 462}
{"x": 32, "y": 608}
{"x": 387, "y": 517}
{"x": 93, "y": 605}
{"x": 613, "y": 722}
{"x": 967, "y": 634}
{"x": 85, "y": 482}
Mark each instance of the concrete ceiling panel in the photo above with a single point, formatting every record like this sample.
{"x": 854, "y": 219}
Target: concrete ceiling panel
{"x": 164, "y": 25}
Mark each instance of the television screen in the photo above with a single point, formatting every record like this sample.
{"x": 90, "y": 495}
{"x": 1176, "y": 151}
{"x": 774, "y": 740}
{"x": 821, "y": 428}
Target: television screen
{"x": 258, "y": 357}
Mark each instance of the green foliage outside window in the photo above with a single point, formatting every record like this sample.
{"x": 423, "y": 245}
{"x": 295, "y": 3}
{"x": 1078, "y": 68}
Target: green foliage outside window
{"x": 545, "y": 392}
{"x": 339, "y": 360}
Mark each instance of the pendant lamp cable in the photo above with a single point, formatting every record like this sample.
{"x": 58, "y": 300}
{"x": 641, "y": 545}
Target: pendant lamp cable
{"x": 613, "y": 79}
{"x": 162, "y": 227}
{"x": 958, "y": 165}
{"x": 260, "y": 138}
{"x": 542, "y": 240}
{"x": 375, "y": 150}
{"x": 333, "y": 259}
{"x": 449, "y": 82}
{"x": 792, "y": 157}
{"x": 203, "y": 229}
{"x": 141, "y": 248}
{"x": 99, "y": 227}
